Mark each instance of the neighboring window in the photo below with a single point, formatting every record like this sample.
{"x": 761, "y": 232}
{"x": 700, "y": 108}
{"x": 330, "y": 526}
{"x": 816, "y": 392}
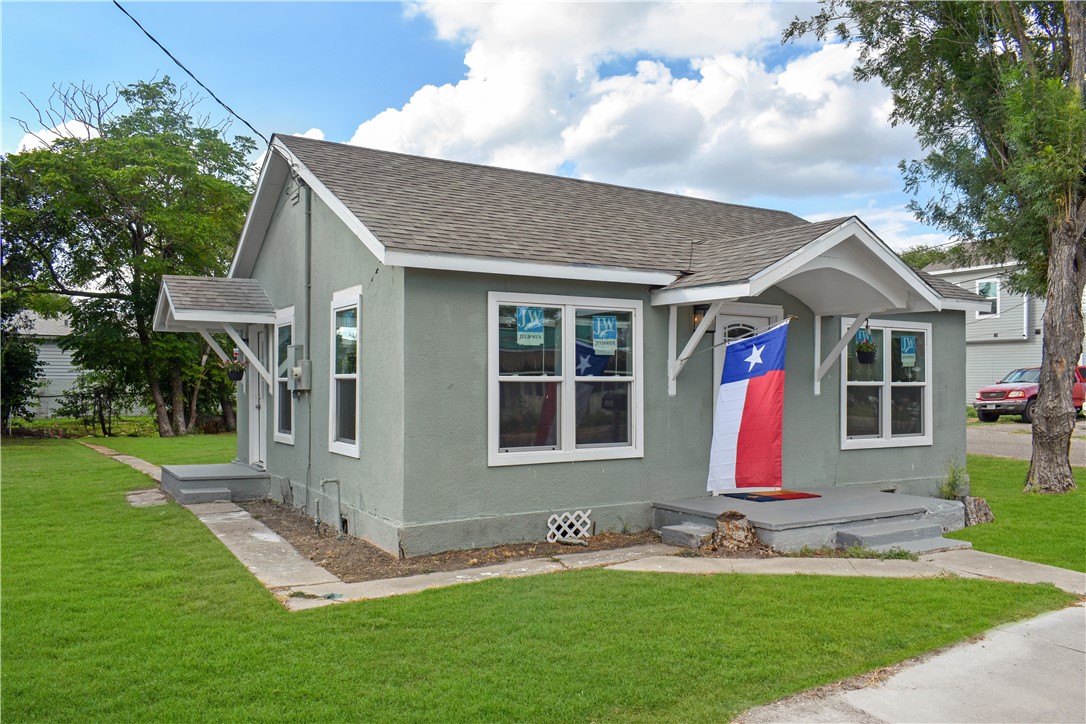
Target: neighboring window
{"x": 343, "y": 422}
{"x": 284, "y": 400}
{"x": 887, "y": 402}
{"x": 989, "y": 289}
{"x": 565, "y": 378}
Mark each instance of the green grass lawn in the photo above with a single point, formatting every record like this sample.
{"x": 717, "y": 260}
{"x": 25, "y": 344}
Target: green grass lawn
{"x": 186, "y": 450}
{"x": 117, "y": 613}
{"x": 1040, "y": 528}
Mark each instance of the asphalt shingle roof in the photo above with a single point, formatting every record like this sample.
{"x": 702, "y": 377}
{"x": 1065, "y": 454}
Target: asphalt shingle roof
{"x": 428, "y": 205}
{"x": 217, "y": 294}
{"x": 949, "y": 290}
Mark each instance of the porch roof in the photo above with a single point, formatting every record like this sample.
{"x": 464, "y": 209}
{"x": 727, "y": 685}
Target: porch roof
{"x": 189, "y": 304}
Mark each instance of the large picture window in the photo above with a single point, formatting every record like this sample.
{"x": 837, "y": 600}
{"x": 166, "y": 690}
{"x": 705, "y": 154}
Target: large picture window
{"x": 886, "y": 395}
{"x": 565, "y": 378}
{"x": 343, "y": 406}
{"x": 284, "y": 401}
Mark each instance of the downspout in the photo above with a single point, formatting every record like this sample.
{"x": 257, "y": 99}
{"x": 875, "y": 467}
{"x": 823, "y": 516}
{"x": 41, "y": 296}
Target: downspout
{"x": 307, "y": 316}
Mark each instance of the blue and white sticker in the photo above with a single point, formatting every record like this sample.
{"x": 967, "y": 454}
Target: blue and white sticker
{"x": 604, "y": 334}
{"x": 530, "y": 326}
{"x": 908, "y": 350}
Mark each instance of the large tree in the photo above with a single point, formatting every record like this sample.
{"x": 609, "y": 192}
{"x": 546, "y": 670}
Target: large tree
{"x": 99, "y": 215}
{"x": 995, "y": 92}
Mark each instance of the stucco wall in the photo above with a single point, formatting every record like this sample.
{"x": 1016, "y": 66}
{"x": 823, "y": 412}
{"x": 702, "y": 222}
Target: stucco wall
{"x": 372, "y": 485}
{"x": 453, "y": 498}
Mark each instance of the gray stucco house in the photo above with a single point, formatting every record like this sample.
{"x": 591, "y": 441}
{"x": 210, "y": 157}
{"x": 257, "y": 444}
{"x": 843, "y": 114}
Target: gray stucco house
{"x": 419, "y": 333}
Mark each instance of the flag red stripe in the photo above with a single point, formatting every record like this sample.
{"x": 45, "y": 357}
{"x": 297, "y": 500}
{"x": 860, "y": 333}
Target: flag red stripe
{"x": 758, "y": 458}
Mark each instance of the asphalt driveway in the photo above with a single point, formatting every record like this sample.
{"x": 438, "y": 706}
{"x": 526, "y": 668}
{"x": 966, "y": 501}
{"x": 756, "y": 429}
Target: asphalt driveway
{"x": 1014, "y": 439}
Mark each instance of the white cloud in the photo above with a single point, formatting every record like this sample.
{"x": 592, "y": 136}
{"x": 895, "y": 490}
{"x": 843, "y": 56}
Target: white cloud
{"x": 314, "y": 133}
{"x": 893, "y": 224}
{"x": 678, "y": 97}
{"x": 46, "y": 137}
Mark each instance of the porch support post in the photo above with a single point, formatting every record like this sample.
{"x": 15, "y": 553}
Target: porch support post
{"x": 214, "y": 345}
{"x": 817, "y": 352}
{"x": 249, "y": 354}
{"x": 672, "y": 348}
{"x": 676, "y": 364}
{"x": 841, "y": 344}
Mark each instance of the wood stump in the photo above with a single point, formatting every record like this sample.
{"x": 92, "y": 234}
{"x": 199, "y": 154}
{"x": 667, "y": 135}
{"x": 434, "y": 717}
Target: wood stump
{"x": 733, "y": 533}
{"x": 977, "y": 511}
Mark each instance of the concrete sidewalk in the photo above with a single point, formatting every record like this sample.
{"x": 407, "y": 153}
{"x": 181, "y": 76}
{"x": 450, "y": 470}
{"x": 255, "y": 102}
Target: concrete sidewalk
{"x": 1032, "y": 671}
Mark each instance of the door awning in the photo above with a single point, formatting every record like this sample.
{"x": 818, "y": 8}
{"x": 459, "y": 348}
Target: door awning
{"x": 206, "y": 305}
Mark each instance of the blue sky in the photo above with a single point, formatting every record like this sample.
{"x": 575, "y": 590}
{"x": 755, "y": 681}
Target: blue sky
{"x": 697, "y": 99}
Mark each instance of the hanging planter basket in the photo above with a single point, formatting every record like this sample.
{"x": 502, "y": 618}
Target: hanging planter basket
{"x": 865, "y": 357}
{"x": 235, "y": 375}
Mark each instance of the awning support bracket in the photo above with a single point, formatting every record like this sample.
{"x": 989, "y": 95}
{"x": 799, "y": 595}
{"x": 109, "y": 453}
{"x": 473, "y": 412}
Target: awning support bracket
{"x": 675, "y": 363}
{"x": 249, "y": 354}
{"x": 835, "y": 353}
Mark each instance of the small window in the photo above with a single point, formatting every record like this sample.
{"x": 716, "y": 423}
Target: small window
{"x": 343, "y": 423}
{"x": 989, "y": 289}
{"x": 565, "y": 380}
{"x": 284, "y": 400}
{"x": 886, "y": 395}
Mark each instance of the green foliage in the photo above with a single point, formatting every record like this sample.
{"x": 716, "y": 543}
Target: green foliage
{"x": 19, "y": 366}
{"x": 98, "y": 397}
{"x": 891, "y": 554}
{"x": 115, "y": 613}
{"x": 955, "y": 484}
{"x": 921, "y": 256}
{"x": 101, "y": 219}
{"x": 1048, "y": 529}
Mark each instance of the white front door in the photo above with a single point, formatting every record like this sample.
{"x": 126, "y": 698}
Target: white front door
{"x": 736, "y": 321}
{"x": 258, "y": 399}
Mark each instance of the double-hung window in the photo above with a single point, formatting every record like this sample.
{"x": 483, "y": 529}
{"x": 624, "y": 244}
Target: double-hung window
{"x": 284, "y": 401}
{"x": 989, "y": 289}
{"x": 565, "y": 378}
{"x": 886, "y": 402}
{"x": 343, "y": 408}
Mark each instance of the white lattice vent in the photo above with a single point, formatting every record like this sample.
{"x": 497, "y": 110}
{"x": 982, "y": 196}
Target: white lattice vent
{"x": 569, "y": 525}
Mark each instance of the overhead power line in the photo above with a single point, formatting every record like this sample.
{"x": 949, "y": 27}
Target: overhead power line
{"x": 190, "y": 74}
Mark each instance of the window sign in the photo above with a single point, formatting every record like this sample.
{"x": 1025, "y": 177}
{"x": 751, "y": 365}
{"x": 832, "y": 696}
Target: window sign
{"x": 604, "y": 334}
{"x": 908, "y": 350}
{"x": 530, "y": 326}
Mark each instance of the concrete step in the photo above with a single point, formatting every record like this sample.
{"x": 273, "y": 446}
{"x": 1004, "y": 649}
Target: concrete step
{"x": 890, "y": 533}
{"x": 687, "y": 535}
{"x": 186, "y": 496}
{"x": 927, "y": 545}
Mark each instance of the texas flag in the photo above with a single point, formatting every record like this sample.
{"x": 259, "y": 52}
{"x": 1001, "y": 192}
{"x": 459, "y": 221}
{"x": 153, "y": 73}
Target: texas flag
{"x": 747, "y": 426}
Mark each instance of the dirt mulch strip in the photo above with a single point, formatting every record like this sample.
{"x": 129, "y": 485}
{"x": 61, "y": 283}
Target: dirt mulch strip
{"x": 353, "y": 559}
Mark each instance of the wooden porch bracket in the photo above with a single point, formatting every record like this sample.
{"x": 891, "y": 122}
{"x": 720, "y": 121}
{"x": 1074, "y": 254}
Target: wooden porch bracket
{"x": 832, "y": 357}
{"x": 675, "y": 363}
{"x": 249, "y": 354}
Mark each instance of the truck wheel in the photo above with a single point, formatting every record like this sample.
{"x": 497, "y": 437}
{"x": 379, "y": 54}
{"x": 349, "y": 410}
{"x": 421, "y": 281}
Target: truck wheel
{"x": 1027, "y": 414}
{"x": 987, "y": 416}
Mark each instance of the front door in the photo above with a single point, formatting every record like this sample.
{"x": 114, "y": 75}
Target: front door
{"x": 258, "y": 397}
{"x": 734, "y": 325}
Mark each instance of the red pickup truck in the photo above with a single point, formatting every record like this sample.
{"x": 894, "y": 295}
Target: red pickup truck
{"x": 1016, "y": 394}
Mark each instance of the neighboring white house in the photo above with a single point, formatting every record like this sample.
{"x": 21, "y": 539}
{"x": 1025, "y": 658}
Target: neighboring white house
{"x": 1004, "y": 338}
{"x": 58, "y": 370}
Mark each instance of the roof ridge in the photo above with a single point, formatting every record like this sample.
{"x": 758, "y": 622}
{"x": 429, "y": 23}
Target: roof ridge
{"x": 537, "y": 174}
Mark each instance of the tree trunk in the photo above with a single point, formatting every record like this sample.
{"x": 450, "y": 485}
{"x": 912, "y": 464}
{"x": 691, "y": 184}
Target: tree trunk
{"x": 177, "y": 402}
{"x": 196, "y": 393}
{"x": 161, "y": 417}
{"x": 1054, "y": 414}
{"x": 228, "y": 415}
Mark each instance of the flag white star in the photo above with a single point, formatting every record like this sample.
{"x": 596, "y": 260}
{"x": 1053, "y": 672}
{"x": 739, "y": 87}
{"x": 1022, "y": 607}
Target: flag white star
{"x": 755, "y": 357}
{"x": 584, "y": 364}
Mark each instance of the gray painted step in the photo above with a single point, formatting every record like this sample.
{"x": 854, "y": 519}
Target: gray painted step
{"x": 890, "y": 533}
{"x": 687, "y": 535}
{"x": 927, "y": 545}
{"x": 188, "y": 496}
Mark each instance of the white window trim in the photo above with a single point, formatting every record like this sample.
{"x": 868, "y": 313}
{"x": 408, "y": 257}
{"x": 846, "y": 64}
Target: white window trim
{"x": 998, "y": 298}
{"x": 569, "y": 451}
{"x": 283, "y": 318}
{"x": 344, "y": 299}
{"x": 886, "y": 441}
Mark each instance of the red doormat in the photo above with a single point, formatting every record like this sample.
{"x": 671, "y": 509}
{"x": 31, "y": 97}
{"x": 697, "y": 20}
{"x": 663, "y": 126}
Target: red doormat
{"x": 772, "y": 495}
